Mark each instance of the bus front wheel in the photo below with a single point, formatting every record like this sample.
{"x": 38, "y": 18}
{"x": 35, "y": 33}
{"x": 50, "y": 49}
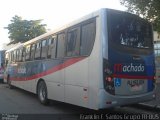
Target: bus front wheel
{"x": 42, "y": 93}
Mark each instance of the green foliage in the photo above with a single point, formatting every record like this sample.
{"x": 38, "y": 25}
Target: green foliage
{"x": 24, "y": 30}
{"x": 150, "y": 9}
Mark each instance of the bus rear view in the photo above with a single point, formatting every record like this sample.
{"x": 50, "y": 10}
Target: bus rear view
{"x": 129, "y": 68}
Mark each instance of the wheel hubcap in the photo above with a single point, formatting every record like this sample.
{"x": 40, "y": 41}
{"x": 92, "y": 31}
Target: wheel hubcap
{"x": 42, "y": 93}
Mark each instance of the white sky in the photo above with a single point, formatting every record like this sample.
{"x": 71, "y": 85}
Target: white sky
{"x": 54, "y": 13}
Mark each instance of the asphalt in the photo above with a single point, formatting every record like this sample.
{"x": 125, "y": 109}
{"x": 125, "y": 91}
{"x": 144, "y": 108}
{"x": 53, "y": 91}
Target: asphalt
{"x": 155, "y": 104}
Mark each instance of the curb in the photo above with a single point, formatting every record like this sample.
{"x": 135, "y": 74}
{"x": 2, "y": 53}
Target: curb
{"x": 155, "y": 107}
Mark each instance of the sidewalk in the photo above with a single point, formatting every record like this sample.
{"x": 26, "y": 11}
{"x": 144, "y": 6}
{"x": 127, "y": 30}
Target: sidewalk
{"x": 155, "y": 103}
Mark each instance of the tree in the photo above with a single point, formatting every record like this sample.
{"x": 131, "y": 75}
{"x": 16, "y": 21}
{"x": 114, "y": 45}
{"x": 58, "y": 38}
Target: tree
{"x": 149, "y": 9}
{"x": 23, "y": 30}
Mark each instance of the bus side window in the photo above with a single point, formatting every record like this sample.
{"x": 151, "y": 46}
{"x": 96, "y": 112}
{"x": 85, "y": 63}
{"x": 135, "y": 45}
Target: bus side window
{"x": 51, "y": 47}
{"x": 7, "y": 59}
{"x": 33, "y": 51}
{"x": 38, "y": 51}
{"x": 17, "y": 52}
{"x": 10, "y": 57}
{"x": 87, "y": 37}
{"x": 61, "y": 45}
{"x": 14, "y": 56}
{"x": 44, "y": 49}
{"x": 20, "y": 55}
{"x": 23, "y": 54}
{"x": 27, "y": 55}
{"x": 73, "y": 42}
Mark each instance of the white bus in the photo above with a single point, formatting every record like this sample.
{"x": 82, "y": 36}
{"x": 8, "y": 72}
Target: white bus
{"x": 102, "y": 60}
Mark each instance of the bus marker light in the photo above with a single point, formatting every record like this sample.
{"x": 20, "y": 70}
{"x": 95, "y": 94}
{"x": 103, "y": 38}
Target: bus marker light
{"x": 109, "y": 79}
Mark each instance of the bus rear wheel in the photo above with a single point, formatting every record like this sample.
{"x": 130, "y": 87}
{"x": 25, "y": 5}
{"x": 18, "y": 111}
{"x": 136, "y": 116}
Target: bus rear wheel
{"x": 42, "y": 93}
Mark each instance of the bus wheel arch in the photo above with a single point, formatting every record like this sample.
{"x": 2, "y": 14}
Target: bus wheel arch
{"x": 42, "y": 92}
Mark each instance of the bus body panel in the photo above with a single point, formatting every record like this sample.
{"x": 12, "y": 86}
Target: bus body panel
{"x": 76, "y": 83}
{"x": 77, "y": 74}
{"x": 56, "y": 82}
{"x": 87, "y": 81}
{"x": 128, "y": 78}
{"x": 140, "y": 72}
{"x": 108, "y": 101}
{"x": 95, "y": 67}
{"x": 55, "y": 91}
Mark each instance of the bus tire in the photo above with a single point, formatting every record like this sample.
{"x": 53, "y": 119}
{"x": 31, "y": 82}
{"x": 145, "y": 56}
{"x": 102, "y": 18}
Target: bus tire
{"x": 9, "y": 82}
{"x": 42, "y": 93}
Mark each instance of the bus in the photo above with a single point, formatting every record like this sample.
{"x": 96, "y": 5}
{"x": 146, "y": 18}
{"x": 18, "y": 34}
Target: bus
{"x": 2, "y": 61}
{"x": 102, "y": 60}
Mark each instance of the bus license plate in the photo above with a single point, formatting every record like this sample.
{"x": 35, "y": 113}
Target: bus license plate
{"x": 135, "y": 85}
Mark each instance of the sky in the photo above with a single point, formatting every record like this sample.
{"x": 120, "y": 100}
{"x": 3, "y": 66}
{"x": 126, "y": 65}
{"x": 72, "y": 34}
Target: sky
{"x": 55, "y": 13}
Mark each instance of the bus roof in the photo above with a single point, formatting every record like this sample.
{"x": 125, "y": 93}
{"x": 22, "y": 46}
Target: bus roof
{"x": 84, "y": 18}
{"x": 18, "y": 46}
{"x": 89, "y": 16}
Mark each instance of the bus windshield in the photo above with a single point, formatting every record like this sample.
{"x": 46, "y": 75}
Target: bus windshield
{"x": 129, "y": 30}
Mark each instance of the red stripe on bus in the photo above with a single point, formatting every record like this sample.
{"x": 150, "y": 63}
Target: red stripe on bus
{"x": 133, "y": 77}
{"x": 52, "y": 70}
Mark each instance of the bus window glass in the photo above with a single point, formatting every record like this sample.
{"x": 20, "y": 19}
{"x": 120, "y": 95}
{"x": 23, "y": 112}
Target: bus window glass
{"x": 44, "y": 43}
{"x": 130, "y": 31}
{"x": 38, "y": 50}
{"x": 17, "y": 54}
{"x": 44, "y": 49}
{"x": 27, "y": 52}
{"x": 73, "y": 42}
{"x": 51, "y": 40}
{"x": 23, "y": 54}
{"x": 14, "y": 58}
{"x": 61, "y": 45}
{"x": 7, "y": 59}
{"x": 87, "y": 38}
{"x": 51, "y": 47}
{"x": 32, "y": 51}
{"x": 11, "y": 58}
{"x": 20, "y": 55}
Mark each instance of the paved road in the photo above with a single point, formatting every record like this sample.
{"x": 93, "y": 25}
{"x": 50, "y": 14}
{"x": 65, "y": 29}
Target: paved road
{"x": 21, "y": 102}
{"x": 26, "y": 105}
{"x": 16, "y": 101}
